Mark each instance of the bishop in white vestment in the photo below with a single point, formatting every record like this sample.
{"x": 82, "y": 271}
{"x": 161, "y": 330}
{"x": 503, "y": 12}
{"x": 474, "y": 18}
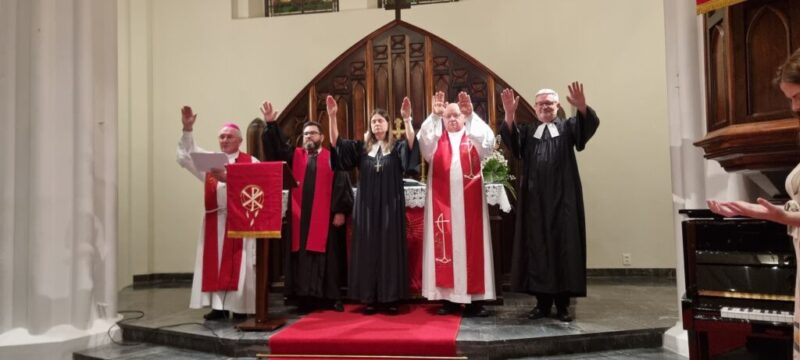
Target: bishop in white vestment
{"x": 457, "y": 247}
{"x": 224, "y": 272}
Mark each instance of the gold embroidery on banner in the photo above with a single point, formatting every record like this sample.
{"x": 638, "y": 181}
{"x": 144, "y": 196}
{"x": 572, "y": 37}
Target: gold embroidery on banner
{"x": 252, "y": 199}
{"x": 254, "y": 234}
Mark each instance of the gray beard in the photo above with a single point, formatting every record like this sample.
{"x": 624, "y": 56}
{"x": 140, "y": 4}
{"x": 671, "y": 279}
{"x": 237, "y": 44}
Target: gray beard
{"x": 310, "y": 146}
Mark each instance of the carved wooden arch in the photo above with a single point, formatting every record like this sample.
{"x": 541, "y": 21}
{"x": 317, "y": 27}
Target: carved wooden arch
{"x": 767, "y": 23}
{"x": 394, "y": 61}
{"x": 397, "y": 60}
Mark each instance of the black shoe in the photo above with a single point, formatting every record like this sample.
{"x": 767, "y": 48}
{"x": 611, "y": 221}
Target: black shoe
{"x": 216, "y": 315}
{"x": 448, "y": 308}
{"x": 475, "y": 310}
{"x": 537, "y": 314}
{"x": 309, "y": 305}
{"x": 303, "y": 309}
{"x": 239, "y": 316}
{"x": 369, "y": 310}
{"x": 391, "y": 310}
{"x": 563, "y": 316}
{"x": 338, "y": 306}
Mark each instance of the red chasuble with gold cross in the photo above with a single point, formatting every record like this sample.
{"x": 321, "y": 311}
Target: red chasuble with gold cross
{"x": 473, "y": 214}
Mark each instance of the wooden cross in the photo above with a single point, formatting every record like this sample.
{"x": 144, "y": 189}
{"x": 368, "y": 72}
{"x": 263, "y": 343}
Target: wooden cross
{"x": 397, "y": 5}
{"x": 398, "y": 128}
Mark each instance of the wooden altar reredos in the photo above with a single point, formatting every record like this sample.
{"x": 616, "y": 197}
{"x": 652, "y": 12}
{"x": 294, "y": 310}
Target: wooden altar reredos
{"x": 396, "y": 60}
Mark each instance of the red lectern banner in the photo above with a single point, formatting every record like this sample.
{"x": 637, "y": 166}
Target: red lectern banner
{"x": 254, "y": 199}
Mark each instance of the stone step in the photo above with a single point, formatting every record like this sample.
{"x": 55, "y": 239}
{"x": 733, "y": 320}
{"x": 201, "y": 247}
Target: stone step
{"x": 618, "y": 314}
{"x": 629, "y": 354}
{"x": 552, "y": 338}
{"x": 146, "y": 351}
{"x": 156, "y": 352}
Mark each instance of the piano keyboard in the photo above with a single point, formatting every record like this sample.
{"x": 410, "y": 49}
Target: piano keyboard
{"x": 777, "y": 316}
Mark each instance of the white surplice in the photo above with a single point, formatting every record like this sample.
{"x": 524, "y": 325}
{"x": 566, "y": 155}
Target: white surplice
{"x": 482, "y": 137}
{"x": 242, "y": 300}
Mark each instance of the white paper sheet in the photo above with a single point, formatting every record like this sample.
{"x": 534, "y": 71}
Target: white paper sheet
{"x": 208, "y": 161}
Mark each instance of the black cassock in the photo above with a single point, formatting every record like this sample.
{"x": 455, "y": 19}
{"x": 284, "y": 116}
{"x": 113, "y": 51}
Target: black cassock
{"x": 378, "y": 269}
{"x": 309, "y": 273}
{"x": 549, "y": 255}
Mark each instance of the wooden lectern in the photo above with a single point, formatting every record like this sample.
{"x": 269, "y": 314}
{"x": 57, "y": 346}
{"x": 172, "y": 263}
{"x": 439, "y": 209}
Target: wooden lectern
{"x": 262, "y": 322}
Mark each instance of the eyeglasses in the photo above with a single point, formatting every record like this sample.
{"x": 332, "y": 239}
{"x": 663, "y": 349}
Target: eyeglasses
{"x": 545, "y": 103}
{"x": 309, "y": 133}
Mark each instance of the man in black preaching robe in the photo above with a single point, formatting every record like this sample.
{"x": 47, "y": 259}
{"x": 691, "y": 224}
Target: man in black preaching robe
{"x": 549, "y": 256}
{"x": 316, "y": 248}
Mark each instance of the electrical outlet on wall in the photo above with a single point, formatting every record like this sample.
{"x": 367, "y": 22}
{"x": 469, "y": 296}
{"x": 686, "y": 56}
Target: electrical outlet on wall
{"x": 626, "y": 259}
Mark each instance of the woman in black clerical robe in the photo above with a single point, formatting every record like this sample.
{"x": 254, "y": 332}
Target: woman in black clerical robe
{"x": 378, "y": 271}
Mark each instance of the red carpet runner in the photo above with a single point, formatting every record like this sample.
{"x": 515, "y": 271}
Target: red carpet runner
{"x": 416, "y": 331}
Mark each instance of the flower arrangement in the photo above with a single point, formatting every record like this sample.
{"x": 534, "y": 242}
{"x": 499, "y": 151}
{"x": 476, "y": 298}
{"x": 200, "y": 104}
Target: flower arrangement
{"x": 495, "y": 169}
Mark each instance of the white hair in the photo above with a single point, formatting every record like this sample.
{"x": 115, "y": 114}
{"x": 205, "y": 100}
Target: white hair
{"x": 548, "y": 92}
{"x": 236, "y": 131}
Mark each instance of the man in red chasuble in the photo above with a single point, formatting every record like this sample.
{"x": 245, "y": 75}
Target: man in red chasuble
{"x": 457, "y": 245}
{"x": 316, "y": 250}
{"x": 224, "y": 272}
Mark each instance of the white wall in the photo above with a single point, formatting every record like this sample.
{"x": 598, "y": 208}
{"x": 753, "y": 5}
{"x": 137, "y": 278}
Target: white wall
{"x": 190, "y": 52}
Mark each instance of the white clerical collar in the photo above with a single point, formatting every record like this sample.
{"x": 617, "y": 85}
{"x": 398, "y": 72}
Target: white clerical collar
{"x": 232, "y": 157}
{"x": 550, "y": 127}
{"x": 380, "y": 144}
{"x": 457, "y": 134}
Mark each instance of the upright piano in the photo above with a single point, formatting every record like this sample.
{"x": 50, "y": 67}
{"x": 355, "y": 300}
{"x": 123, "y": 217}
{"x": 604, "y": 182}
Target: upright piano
{"x": 740, "y": 276}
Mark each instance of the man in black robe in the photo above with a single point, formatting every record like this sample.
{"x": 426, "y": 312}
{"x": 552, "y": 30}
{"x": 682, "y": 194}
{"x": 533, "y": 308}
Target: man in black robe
{"x": 549, "y": 256}
{"x": 316, "y": 249}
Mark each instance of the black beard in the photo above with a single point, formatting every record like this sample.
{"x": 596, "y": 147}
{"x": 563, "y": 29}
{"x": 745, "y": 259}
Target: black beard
{"x": 309, "y": 146}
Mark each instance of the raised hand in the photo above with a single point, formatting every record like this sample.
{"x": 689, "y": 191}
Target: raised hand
{"x": 333, "y": 128}
{"x": 465, "y": 104}
{"x": 332, "y": 107}
{"x": 438, "y": 104}
{"x": 268, "y": 112}
{"x": 405, "y": 109}
{"x": 721, "y": 208}
{"x": 576, "y": 96}
{"x": 510, "y": 103}
{"x": 188, "y": 118}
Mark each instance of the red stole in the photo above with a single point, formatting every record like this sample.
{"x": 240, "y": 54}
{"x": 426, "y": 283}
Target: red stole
{"x": 473, "y": 214}
{"x": 321, "y": 211}
{"x": 226, "y": 276}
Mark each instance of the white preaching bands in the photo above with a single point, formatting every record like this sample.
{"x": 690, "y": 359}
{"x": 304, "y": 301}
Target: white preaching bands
{"x": 550, "y": 127}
